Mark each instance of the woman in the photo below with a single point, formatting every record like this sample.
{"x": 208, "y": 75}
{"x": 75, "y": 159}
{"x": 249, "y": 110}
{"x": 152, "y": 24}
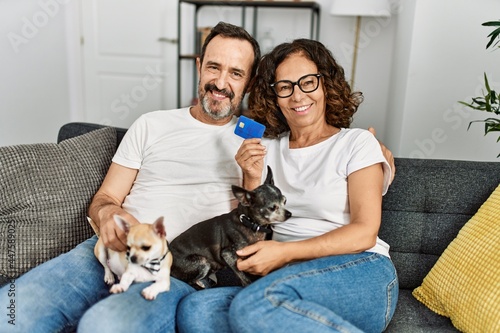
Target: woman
{"x": 325, "y": 269}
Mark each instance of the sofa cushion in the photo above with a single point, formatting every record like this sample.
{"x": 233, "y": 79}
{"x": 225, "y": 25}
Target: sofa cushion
{"x": 464, "y": 283}
{"x": 70, "y": 130}
{"x": 411, "y": 316}
{"x": 46, "y": 190}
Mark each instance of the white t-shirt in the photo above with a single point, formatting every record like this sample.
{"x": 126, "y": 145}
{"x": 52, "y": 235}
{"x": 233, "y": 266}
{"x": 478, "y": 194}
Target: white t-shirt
{"x": 186, "y": 168}
{"x": 314, "y": 180}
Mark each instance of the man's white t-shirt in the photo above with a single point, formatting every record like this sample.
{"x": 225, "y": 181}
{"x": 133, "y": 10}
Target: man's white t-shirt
{"x": 314, "y": 180}
{"x": 186, "y": 168}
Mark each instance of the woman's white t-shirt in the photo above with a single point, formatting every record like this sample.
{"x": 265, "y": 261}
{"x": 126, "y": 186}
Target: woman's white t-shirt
{"x": 314, "y": 180}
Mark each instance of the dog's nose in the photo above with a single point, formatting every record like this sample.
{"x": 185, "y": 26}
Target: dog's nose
{"x": 133, "y": 259}
{"x": 287, "y": 214}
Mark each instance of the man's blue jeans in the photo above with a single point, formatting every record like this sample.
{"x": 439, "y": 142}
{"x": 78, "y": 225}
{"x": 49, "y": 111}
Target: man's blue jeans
{"x": 54, "y": 297}
{"x": 347, "y": 293}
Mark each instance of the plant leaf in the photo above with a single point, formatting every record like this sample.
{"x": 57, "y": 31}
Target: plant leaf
{"x": 493, "y": 97}
{"x": 494, "y": 34}
{"x": 486, "y": 83}
{"x": 479, "y": 101}
{"x": 492, "y": 120}
{"x": 490, "y": 125}
{"x": 491, "y": 23}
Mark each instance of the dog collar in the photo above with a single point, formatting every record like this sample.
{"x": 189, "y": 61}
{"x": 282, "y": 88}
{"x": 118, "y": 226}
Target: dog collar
{"x": 247, "y": 222}
{"x": 154, "y": 265}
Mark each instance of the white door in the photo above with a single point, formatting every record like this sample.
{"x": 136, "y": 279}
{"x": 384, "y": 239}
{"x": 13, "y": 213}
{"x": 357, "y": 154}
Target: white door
{"x": 129, "y": 59}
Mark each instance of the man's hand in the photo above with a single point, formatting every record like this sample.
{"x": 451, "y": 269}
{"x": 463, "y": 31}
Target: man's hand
{"x": 111, "y": 234}
{"x": 108, "y": 201}
{"x": 387, "y": 154}
{"x": 113, "y": 237}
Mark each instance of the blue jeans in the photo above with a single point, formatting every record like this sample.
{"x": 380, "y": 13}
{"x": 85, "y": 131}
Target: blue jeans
{"x": 69, "y": 291}
{"x": 347, "y": 293}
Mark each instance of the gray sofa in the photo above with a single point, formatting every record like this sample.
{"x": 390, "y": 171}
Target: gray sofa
{"x": 423, "y": 211}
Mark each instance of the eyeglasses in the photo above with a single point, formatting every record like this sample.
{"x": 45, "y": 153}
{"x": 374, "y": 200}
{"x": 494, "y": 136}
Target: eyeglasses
{"x": 308, "y": 83}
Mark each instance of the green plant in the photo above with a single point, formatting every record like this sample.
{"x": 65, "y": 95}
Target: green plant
{"x": 490, "y": 101}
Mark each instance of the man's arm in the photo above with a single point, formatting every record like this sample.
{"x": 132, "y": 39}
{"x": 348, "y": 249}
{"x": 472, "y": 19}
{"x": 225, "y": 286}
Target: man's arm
{"x": 387, "y": 154}
{"x": 108, "y": 201}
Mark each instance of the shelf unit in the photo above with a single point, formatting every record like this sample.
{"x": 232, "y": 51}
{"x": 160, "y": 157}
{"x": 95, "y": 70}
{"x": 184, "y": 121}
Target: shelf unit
{"x": 254, "y": 5}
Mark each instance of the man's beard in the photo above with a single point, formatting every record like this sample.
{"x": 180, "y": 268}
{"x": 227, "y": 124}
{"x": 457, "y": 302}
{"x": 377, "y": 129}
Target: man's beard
{"x": 210, "y": 106}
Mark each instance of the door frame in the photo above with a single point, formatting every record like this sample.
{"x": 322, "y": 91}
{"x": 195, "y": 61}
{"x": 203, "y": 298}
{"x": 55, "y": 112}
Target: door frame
{"x": 74, "y": 49}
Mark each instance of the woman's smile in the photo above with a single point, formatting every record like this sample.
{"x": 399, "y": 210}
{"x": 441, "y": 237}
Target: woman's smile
{"x": 302, "y": 109}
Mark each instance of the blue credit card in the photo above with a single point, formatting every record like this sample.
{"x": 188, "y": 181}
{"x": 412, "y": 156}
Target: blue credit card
{"x": 248, "y": 128}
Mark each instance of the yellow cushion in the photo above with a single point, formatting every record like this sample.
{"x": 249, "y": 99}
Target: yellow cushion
{"x": 464, "y": 284}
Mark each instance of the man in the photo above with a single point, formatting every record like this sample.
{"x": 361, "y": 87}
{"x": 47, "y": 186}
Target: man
{"x": 224, "y": 77}
{"x": 178, "y": 164}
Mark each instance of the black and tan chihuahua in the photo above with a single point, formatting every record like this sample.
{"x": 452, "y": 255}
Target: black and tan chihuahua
{"x": 211, "y": 245}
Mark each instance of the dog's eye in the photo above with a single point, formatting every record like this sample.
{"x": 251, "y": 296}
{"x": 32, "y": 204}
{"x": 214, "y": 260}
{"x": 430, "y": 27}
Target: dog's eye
{"x": 145, "y": 248}
{"x": 128, "y": 248}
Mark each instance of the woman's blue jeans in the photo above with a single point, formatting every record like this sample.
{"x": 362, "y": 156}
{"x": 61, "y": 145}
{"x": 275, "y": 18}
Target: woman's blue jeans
{"x": 347, "y": 293}
{"x": 69, "y": 290}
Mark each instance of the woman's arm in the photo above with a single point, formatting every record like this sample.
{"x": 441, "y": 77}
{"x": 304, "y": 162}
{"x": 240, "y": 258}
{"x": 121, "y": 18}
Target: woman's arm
{"x": 365, "y": 203}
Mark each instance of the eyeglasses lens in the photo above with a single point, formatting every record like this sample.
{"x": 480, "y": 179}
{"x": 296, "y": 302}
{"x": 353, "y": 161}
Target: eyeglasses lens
{"x": 307, "y": 84}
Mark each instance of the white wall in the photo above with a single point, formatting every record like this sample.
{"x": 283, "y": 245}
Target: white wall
{"x": 34, "y": 100}
{"x": 398, "y": 76}
{"x": 374, "y": 63}
{"x": 412, "y": 68}
{"x": 443, "y": 65}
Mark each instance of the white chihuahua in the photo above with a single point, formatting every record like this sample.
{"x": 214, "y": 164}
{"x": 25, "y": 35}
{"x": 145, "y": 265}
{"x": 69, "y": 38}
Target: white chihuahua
{"x": 147, "y": 258}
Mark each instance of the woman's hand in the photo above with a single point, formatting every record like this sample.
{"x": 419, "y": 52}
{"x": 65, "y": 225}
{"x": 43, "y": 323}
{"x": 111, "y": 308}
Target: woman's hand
{"x": 262, "y": 257}
{"x": 250, "y": 158}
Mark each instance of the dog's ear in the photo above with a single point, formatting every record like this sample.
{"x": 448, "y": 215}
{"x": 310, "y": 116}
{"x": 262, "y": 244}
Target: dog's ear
{"x": 269, "y": 177}
{"x": 121, "y": 223}
{"x": 159, "y": 227}
{"x": 243, "y": 196}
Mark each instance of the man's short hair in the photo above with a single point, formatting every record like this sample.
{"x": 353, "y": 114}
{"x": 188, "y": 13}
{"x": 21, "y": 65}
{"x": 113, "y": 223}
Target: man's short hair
{"x": 232, "y": 31}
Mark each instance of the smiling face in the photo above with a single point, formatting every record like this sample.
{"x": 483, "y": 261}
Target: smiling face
{"x": 224, "y": 76}
{"x": 301, "y": 110}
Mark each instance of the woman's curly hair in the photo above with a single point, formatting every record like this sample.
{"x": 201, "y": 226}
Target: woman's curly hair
{"x": 341, "y": 103}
